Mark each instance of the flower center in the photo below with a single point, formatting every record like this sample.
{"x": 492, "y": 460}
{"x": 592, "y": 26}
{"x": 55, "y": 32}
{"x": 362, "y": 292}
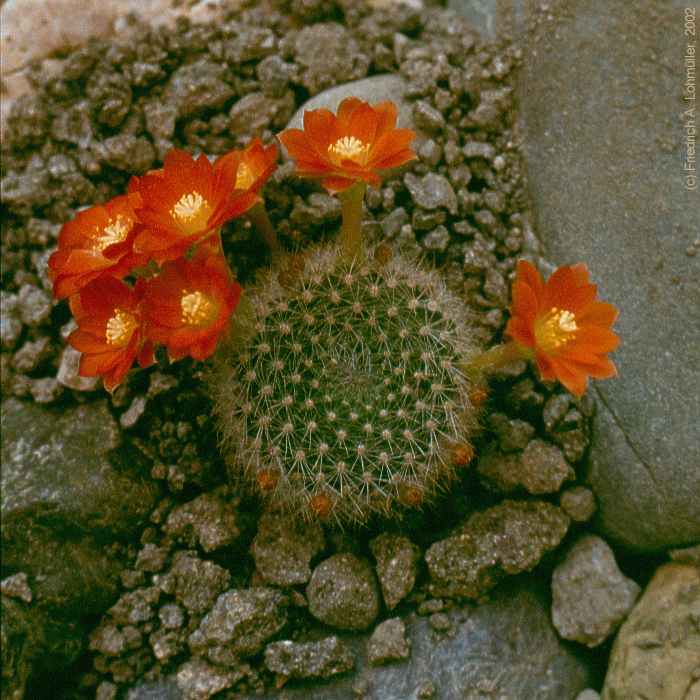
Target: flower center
{"x": 192, "y": 212}
{"x": 555, "y": 329}
{"x": 197, "y": 308}
{"x": 120, "y": 328}
{"x": 244, "y": 177}
{"x": 348, "y": 148}
{"x": 115, "y": 232}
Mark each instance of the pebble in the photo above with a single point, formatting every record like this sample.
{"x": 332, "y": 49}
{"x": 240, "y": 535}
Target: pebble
{"x": 392, "y": 222}
{"x": 590, "y": 595}
{"x": 397, "y": 561}
{"x": 199, "y": 680}
{"x": 578, "y": 502}
{"x": 427, "y": 117}
{"x": 17, "y": 586}
{"x": 126, "y": 152}
{"x": 430, "y": 153}
{"x": 431, "y": 191}
{"x": 10, "y": 323}
{"x": 284, "y": 546}
{"x": 544, "y": 468}
{"x": 197, "y": 86}
{"x": 478, "y": 149}
{"x": 197, "y": 582}
{"x": 321, "y": 209}
{"x": 321, "y": 659}
{"x": 388, "y": 642}
{"x": 242, "y": 620}
{"x": 210, "y": 521}
{"x": 171, "y": 616}
{"x": 32, "y": 354}
{"x": 33, "y": 305}
{"x": 131, "y": 416}
{"x": 343, "y": 592}
{"x": 506, "y": 539}
{"x": 437, "y": 240}
{"x": 151, "y": 558}
{"x": 45, "y": 390}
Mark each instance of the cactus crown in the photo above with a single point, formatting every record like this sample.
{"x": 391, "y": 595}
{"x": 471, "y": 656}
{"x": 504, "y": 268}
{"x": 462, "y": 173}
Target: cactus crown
{"x": 339, "y": 394}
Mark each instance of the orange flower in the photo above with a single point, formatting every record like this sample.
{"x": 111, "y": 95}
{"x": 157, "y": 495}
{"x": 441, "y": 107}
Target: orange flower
{"x": 351, "y": 147}
{"x": 253, "y": 165}
{"x": 185, "y": 202}
{"x": 189, "y": 305}
{"x": 97, "y": 242}
{"x": 110, "y": 330}
{"x": 563, "y": 324}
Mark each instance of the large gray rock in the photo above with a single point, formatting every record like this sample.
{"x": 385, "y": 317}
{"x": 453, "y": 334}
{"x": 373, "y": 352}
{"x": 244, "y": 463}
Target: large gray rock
{"x": 505, "y": 647}
{"x": 657, "y": 651}
{"x": 57, "y": 472}
{"x": 601, "y": 102}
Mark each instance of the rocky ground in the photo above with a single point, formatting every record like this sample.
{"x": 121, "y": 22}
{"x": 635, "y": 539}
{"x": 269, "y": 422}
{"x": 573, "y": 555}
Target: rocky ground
{"x": 131, "y": 569}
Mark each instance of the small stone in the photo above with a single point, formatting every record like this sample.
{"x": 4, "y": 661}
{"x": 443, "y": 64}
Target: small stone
{"x": 108, "y": 639}
{"x": 578, "y": 502}
{"x": 199, "y": 680}
{"x": 197, "y": 582}
{"x": 427, "y": 220}
{"x": 68, "y": 372}
{"x": 135, "y": 607}
{"x": 210, "y": 520}
{"x": 322, "y": 659}
{"x": 590, "y": 595}
{"x": 197, "y": 86}
{"x": 17, "y": 586}
{"x": 496, "y": 288}
{"x": 343, "y": 592}
{"x": 321, "y": 209}
{"x": 392, "y": 222}
{"x": 430, "y": 153}
{"x": 160, "y": 119}
{"x": 171, "y": 616}
{"x": 166, "y": 644}
{"x": 554, "y": 410}
{"x": 45, "y": 390}
{"x": 255, "y": 112}
{"x": 73, "y": 124}
{"x": 131, "y": 416}
{"x": 10, "y": 324}
{"x": 126, "y": 152}
{"x": 440, "y": 622}
{"x": 151, "y": 558}
{"x": 388, "y": 642}
{"x": 503, "y": 540}
{"x": 544, "y": 468}
{"x": 437, "y": 240}
{"x": 283, "y": 548}
{"x": 478, "y": 149}
{"x": 432, "y": 191}
{"x": 32, "y": 354}
{"x": 328, "y": 55}
{"x": 397, "y": 560}
{"x": 453, "y": 153}
{"x": 427, "y": 117}
{"x": 274, "y": 75}
{"x": 106, "y": 691}
{"x": 243, "y": 620}
{"x": 33, "y": 305}
{"x": 513, "y": 434}
{"x": 430, "y": 606}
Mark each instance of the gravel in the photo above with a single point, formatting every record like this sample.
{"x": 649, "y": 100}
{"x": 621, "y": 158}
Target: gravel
{"x": 388, "y": 642}
{"x": 322, "y": 659}
{"x": 397, "y": 565}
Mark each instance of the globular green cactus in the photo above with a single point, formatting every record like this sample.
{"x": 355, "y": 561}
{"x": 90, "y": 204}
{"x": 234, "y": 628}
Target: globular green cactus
{"x": 338, "y": 393}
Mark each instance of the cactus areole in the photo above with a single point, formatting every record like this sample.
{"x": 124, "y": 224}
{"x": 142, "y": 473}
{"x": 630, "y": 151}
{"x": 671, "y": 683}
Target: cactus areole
{"x": 339, "y": 394}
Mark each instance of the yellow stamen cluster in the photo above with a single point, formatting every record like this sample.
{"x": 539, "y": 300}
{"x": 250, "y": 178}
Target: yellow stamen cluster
{"x": 120, "y": 327}
{"x": 115, "y": 232}
{"x": 555, "y": 329}
{"x": 188, "y": 206}
{"x": 349, "y": 148}
{"x": 197, "y": 308}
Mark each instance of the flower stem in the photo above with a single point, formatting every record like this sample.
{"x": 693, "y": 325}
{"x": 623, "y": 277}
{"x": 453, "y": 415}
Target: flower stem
{"x": 351, "y": 229}
{"x": 263, "y": 225}
{"x": 494, "y": 358}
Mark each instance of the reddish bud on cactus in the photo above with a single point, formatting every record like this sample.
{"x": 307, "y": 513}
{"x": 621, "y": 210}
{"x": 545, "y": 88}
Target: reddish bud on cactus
{"x": 383, "y": 254}
{"x": 267, "y": 479}
{"x": 321, "y": 505}
{"x": 478, "y": 396}
{"x": 411, "y": 496}
{"x": 463, "y": 454}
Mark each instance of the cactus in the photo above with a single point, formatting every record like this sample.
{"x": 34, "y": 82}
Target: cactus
{"x": 338, "y": 392}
